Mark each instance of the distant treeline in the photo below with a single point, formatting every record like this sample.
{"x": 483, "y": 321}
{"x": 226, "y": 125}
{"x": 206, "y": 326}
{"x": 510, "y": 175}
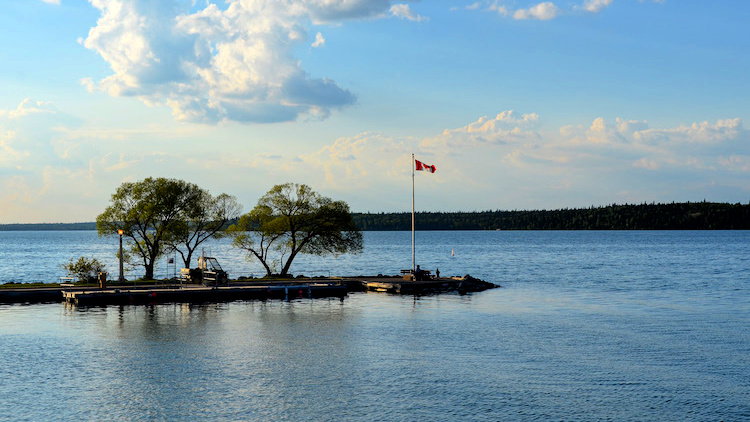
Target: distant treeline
{"x": 48, "y": 226}
{"x": 674, "y": 216}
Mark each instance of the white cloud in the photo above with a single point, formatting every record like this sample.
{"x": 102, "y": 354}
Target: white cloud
{"x": 629, "y": 127}
{"x": 545, "y": 10}
{"x": 500, "y": 9}
{"x": 403, "y": 11}
{"x": 507, "y": 127}
{"x": 595, "y": 6}
{"x": 696, "y": 133}
{"x": 28, "y": 107}
{"x": 736, "y": 163}
{"x": 215, "y": 64}
{"x": 646, "y": 164}
{"x": 52, "y": 1}
{"x": 509, "y": 160}
{"x": 542, "y": 11}
{"x": 319, "y": 40}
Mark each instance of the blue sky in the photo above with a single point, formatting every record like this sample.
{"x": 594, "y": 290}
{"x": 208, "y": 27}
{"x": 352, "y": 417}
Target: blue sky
{"x": 520, "y": 104}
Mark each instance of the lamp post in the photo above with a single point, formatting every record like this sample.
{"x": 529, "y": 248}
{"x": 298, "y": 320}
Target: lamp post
{"x": 122, "y": 276}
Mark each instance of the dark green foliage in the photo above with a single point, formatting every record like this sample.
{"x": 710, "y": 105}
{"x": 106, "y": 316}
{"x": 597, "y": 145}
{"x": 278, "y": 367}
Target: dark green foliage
{"x": 674, "y": 216}
{"x": 160, "y": 213}
{"x": 291, "y": 219}
{"x": 203, "y": 218}
{"x": 84, "y": 269}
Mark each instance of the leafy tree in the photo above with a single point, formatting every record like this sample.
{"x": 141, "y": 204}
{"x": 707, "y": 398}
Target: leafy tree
{"x": 292, "y": 219}
{"x": 205, "y": 217}
{"x": 84, "y": 269}
{"x": 149, "y": 213}
{"x": 248, "y": 235}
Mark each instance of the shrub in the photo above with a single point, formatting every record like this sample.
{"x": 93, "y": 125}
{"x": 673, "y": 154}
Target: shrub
{"x": 84, "y": 268}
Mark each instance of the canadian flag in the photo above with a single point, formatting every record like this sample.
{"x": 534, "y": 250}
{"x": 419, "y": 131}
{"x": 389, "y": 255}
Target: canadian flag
{"x": 425, "y": 167}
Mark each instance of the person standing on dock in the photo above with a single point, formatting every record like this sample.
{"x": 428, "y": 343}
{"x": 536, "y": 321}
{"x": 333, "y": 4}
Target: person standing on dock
{"x": 437, "y": 273}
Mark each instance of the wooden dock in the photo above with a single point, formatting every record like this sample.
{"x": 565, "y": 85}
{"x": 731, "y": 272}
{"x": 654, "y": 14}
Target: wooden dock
{"x": 201, "y": 294}
{"x": 239, "y": 290}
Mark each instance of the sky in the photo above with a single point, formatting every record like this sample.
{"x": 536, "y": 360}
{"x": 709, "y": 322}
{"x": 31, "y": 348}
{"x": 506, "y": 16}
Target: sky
{"x": 519, "y": 104}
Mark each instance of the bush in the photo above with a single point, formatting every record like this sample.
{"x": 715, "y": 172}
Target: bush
{"x": 84, "y": 269}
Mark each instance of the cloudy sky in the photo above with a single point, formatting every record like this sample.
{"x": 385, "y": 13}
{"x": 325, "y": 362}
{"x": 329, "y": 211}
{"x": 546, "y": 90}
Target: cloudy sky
{"x": 520, "y": 104}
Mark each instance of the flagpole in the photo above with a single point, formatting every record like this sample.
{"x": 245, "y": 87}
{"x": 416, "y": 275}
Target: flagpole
{"x": 413, "y": 254}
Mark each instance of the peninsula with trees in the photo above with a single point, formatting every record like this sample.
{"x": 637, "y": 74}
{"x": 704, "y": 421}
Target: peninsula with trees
{"x": 156, "y": 216}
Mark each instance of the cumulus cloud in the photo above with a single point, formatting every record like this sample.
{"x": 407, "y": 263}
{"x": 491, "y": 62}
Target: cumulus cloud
{"x": 506, "y": 127}
{"x": 29, "y": 136}
{"x": 509, "y": 159}
{"x": 696, "y": 133}
{"x": 698, "y": 146}
{"x": 403, "y": 11}
{"x": 319, "y": 40}
{"x": 500, "y": 9}
{"x": 595, "y": 6}
{"x": 231, "y": 63}
{"x": 542, "y": 11}
{"x": 28, "y": 107}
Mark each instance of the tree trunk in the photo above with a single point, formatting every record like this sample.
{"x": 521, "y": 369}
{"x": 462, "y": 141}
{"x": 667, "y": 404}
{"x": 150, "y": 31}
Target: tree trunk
{"x": 188, "y": 258}
{"x": 262, "y": 261}
{"x": 288, "y": 264}
{"x": 149, "y": 271}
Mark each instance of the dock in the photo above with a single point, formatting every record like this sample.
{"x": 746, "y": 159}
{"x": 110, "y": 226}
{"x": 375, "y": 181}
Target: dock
{"x": 397, "y": 285}
{"x": 201, "y": 294}
{"x": 300, "y": 288}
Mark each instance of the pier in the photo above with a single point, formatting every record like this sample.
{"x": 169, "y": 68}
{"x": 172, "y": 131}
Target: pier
{"x": 397, "y": 285}
{"x": 239, "y": 290}
{"x": 198, "y": 294}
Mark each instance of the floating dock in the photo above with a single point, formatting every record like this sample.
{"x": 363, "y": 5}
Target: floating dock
{"x": 240, "y": 290}
{"x": 199, "y": 294}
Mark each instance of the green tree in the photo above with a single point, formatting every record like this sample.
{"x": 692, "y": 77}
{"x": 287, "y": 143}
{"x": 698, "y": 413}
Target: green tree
{"x": 203, "y": 218}
{"x": 149, "y": 213}
{"x": 292, "y": 219}
{"x": 248, "y": 234}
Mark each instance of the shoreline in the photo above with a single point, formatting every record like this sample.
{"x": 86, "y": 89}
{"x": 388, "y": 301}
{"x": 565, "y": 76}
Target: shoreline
{"x": 688, "y": 215}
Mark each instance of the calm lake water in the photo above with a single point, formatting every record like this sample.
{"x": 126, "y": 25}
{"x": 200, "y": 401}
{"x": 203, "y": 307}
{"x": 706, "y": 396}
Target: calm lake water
{"x": 588, "y": 326}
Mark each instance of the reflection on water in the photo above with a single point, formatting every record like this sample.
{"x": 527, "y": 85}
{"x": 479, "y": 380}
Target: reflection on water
{"x": 502, "y": 354}
{"x": 592, "y": 326}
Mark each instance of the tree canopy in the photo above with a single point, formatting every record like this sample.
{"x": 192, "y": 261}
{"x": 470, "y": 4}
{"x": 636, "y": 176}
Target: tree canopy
{"x": 291, "y": 219}
{"x": 159, "y": 212}
{"x": 202, "y": 219}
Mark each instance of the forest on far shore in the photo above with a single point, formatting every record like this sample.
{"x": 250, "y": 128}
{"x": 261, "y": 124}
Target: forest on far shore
{"x": 674, "y": 216}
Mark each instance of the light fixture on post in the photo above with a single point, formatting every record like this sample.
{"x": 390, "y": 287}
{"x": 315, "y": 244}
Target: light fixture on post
{"x": 122, "y": 275}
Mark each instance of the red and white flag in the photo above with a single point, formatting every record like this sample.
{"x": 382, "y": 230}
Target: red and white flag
{"x": 425, "y": 167}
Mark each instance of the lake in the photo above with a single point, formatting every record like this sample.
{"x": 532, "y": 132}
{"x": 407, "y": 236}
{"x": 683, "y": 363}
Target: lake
{"x": 588, "y": 326}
